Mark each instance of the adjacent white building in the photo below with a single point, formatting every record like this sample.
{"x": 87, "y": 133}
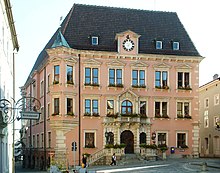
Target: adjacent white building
{"x": 8, "y": 46}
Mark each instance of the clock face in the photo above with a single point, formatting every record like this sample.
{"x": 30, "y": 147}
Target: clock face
{"x": 128, "y": 45}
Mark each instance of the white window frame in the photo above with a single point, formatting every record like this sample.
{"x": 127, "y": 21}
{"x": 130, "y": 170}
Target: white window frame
{"x": 216, "y": 99}
{"x": 176, "y": 45}
{"x": 84, "y": 137}
{"x": 95, "y": 40}
{"x": 205, "y": 103}
{"x": 159, "y": 45}
{"x": 161, "y": 100}
{"x": 183, "y": 110}
{"x": 186, "y": 137}
{"x": 166, "y": 136}
{"x": 206, "y": 121}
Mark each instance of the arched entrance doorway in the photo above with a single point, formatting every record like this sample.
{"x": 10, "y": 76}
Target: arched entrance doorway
{"x": 127, "y": 138}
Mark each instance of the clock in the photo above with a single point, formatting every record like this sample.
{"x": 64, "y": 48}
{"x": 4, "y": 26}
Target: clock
{"x": 128, "y": 44}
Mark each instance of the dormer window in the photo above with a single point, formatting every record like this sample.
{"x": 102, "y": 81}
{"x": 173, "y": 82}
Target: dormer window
{"x": 95, "y": 40}
{"x": 176, "y": 45}
{"x": 159, "y": 44}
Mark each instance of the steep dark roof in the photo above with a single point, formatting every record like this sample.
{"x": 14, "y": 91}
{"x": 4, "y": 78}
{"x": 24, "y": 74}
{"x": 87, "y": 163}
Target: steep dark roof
{"x": 84, "y": 21}
{"x": 87, "y": 20}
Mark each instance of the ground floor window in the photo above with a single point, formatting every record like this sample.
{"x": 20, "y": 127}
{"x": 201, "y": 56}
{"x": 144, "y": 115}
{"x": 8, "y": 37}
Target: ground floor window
{"x": 161, "y": 138}
{"x": 181, "y": 140}
{"x": 142, "y": 138}
{"x": 89, "y": 140}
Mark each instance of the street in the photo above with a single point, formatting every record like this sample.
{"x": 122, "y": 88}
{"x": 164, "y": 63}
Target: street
{"x": 169, "y": 165}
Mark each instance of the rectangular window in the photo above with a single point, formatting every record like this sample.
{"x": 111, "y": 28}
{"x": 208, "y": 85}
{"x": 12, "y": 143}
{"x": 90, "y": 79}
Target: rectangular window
{"x": 42, "y": 114}
{"x": 34, "y": 142}
{"x": 138, "y": 78}
{"x": 110, "y": 107}
{"x": 89, "y": 140}
{"x": 38, "y": 140}
{"x": 206, "y": 121}
{"x": 183, "y": 80}
{"x": 48, "y": 82}
{"x": 42, "y": 88}
{"x": 216, "y": 99}
{"x": 159, "y": 44}
{"x": 95, "y": 40}
{"x": 49, "y": 139}
{"x": 206, "y": 103}
{"x": 48, "y": 110}
{"x": 143, "y": 108}
{"x": 56, "y": 74}
{"x": 182, "y": 109}
{"x": 115, "y": 77}
{"x": 91, "y": 76}
{"x": 161, "y": 79}
{"x": 69, "y": 107}
{"x": 161, "y": 109}
{"x": 56, "y": 106}
{"x": 181, "y": 139}
{"x": 69, "y": 74}
{"x": 91, "y": 107}
{"x": 161, "y": 138}
{"x": 42, "y": 140}
{"x": 176, "y": 45}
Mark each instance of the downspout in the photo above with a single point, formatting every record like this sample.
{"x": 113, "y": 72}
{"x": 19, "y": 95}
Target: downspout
{"x": 79, "y": 115}
{"x": 45, "y": 123}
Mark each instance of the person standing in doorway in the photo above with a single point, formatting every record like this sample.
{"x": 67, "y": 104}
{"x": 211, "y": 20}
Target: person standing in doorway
{"x": 113, "y": 160}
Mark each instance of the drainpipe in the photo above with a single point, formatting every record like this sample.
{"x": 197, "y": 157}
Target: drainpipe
{"x": 79, "y": 114}
{"x": 45, "y": 121}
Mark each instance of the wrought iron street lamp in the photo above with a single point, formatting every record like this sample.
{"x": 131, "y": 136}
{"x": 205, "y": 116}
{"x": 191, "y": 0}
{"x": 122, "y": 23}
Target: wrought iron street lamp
{"x": 28, "y": 108}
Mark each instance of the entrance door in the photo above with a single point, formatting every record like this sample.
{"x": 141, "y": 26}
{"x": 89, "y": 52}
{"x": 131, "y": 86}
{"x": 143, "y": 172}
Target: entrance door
{"x": 127, "y": 138}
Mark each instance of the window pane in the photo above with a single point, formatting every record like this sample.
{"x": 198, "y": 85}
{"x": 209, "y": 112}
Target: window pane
{"x": 134, "y": 77}
{"x": 69, "y": 75}
{"x": 87, "y": 106}
{"x": 111, "y": 76}
{"x": 161, "y": 138}
{"x": 180, "y": 79}
{"x": 110, "y": 106}
{"x": 179, "y": 108}
{"x": 186, "y": 82}
{"x": 69, "y": 105}
{"x": 126, "y": 107}
{"x": 95, "y": 75}
{"x": 157, "y": 108}
{"x": 143, "y": 138}
{"x": 94, "y": 106}
{"x": 88, "y": 75}
{"x": 157, "y": 78}
{"x": 164, "y": 77}
{"x": 56, "y": 106}
{"x": 143, "y": 107}
{"x": 119, "y": 76}
{"x": 164, "y": 108}
{"x": 186, "y": 109}
{"x": 142, "y": 77}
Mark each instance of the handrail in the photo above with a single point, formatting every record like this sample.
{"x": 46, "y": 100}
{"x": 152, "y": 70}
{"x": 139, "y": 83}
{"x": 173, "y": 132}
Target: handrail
{"x": 97, "y": 155}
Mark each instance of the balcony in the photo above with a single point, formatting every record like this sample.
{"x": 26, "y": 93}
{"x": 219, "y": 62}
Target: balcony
{"x": 134, "y": 118}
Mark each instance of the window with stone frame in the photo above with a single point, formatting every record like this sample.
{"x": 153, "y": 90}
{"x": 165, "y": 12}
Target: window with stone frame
{"x": 56, "y": 106}
{"x": 91, "y": 107}
{"x": 49, "y": 139}
{"x": 115, "y": 77}
{"x": 161, "y": 109}
{"x": 56, "y": 74}
{"x": 138, "y": 78}
{"x": 181, "y": 140}
{"x": 183, "y": 109}
{"x": 110, "y": 107}
{"x": 143, "y": 138}
{"x": 161, "y": 79}
{"x": 89, "y": 140}
{"x": 143, "y": 108}
{"x": 69, "y": 74}
{"x": 91, "y": 76}
{"x": 161, "y": 138}
{"x": 183, "y": 80}
{"x": 69, "y": 106}
{"x": 126, "y": 107}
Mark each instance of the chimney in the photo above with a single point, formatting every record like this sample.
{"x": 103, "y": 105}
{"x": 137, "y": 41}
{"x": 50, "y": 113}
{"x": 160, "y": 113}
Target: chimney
{"x": 215, "y": 77}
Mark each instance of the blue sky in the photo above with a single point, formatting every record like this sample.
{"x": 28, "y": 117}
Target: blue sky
{"x": 37, "y": 20}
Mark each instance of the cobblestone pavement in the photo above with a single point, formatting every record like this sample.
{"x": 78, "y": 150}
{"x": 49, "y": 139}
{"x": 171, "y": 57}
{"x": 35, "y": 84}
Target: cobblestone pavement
{"x": 200, "y": 165}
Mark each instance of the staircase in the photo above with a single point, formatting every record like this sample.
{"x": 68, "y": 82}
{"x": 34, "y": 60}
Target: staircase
{"x": 131, "y": 159}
